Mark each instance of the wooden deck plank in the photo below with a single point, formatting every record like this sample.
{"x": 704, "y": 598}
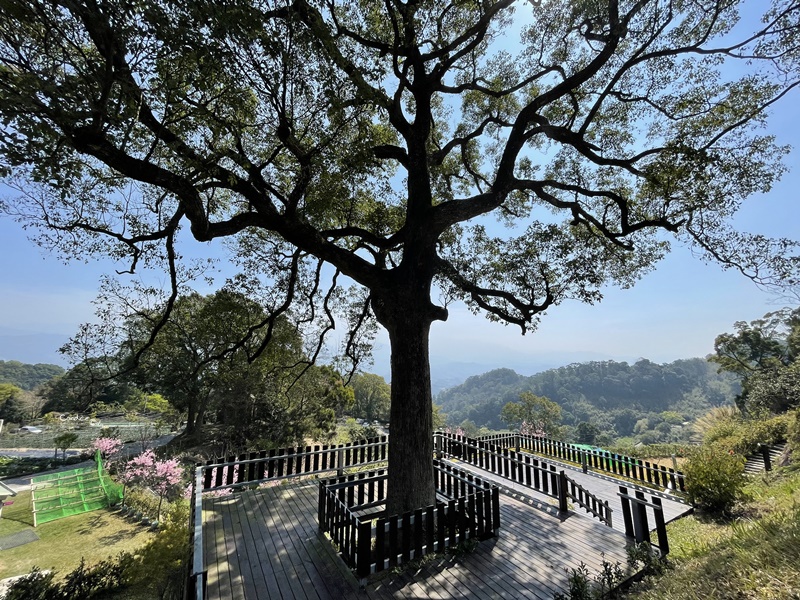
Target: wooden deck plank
{"x": 299, "y": 534}
{"x": 277, "y": 536}
{"x": 270, "y": 588}
{"x": 282, "y": 553}
{"x": 232, "y": 584}
{"x": 221, "y": 584}
{"x": 264, "y": 579}
{"x": 339, "y": 582}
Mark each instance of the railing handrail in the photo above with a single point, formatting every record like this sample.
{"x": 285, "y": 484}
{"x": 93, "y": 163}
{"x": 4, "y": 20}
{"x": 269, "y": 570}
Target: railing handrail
{"x": 657, "y": 472}
{"x": 560, "y": 489}
{"x": 289, "y": 454}
{"x": 634, "y": 515}
{"x": 295, "y": 461}
{"x": 197, "y": 574}
{"x": 476, "y": 513}
{"x": 471, "y": 442}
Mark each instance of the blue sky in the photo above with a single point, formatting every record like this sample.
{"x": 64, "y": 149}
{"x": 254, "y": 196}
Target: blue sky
{"x": 674, "y": 312}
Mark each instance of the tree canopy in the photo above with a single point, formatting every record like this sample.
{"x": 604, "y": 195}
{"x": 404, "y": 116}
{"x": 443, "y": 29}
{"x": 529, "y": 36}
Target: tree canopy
{"x": 765, "y": 353}
{"x": 533, "y": 415}
{"x": 376, "y": 138}
{"x": 27, "y": 376}
{"x": 200, "y": 362}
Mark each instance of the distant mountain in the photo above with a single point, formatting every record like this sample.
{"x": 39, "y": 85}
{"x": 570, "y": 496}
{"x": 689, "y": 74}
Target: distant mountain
{"x": 612, "y": 395}
{"x": 448, "y": 373}
{"x": 27, "y": 376}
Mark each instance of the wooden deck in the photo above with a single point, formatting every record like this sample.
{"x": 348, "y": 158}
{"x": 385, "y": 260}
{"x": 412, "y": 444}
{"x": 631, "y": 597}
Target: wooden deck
{"x": 265, "y": 544}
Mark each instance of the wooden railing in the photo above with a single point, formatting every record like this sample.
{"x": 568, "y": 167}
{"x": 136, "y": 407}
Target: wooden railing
{"x": 249, "y": 468}
{"x": 588, "y": 501}
{"x": 369, "y": 545}
{"x": 616, "y": 464}
{"x": 634, "y": 515}
{"x": 524, "y": 469}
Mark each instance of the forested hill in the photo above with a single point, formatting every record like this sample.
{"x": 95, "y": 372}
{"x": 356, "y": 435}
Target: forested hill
{"x": 27, "y": 376}
{"x": 612, "y": 395}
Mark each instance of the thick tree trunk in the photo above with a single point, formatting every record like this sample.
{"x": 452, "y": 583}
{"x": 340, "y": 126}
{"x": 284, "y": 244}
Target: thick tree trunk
{"x": 411, "y": 422}
{"x": 191, "y": 417}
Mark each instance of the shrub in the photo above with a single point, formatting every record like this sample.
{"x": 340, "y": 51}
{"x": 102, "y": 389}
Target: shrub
{"x": 714, "y": 478}
{"x": 161, "y": 565}
{"x": 87, "y": 582}
{"x": 81, "y": 584}
{"x": 743, "y": 436}
{"x": 34, "y": 586}
{"x": 142, "y": 501}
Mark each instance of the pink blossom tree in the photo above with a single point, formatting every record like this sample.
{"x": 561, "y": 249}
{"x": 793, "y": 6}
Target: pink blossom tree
{"x": 163, "y": 477}
{"x": 109, "y": 447}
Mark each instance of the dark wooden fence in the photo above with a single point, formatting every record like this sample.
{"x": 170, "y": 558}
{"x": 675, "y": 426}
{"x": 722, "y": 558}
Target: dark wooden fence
{"x": 634, "y": 515}
{"x": 253, "y": 467}
{"x": 370, "y": 541}
{"x": 599, "y": 460}
{"x": 250, "y": 468}
{"x": 524, "y": 469}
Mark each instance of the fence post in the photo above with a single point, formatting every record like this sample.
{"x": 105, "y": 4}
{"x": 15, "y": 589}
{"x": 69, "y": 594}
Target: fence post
{"x": 339, "y": 462}
{"x": 661, "y": 528}
{"x": 364, "y": 551}
{"x": 626, "y": 511}
{"x": 584, "y": 466}
{"x": 767, "y": 459}
{"x": 321, "y": 506}
{"x": 640, "y": 527}
{"x": 562, "y": 492}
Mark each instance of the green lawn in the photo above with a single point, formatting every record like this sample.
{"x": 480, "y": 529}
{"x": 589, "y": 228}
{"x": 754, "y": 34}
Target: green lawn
{"x": 94, "y": 536}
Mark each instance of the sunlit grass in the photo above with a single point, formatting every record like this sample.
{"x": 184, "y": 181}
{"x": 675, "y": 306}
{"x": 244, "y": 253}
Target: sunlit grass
{"x": 95, "y": 536}
{"x": 756, "y": 555}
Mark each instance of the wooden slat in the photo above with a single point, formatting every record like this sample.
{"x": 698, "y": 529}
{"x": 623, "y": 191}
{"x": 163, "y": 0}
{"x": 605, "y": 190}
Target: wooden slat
{"x": 274, "y": 531}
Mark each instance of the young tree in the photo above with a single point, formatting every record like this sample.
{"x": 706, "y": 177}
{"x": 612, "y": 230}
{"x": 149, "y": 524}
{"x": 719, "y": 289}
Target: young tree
{"x": 372, "y": 397}
{"x": 376, "y": 138}
{"x": 533, "y": 415}
{"x": 164, "y": 477}
{"x": 64, "y": 442}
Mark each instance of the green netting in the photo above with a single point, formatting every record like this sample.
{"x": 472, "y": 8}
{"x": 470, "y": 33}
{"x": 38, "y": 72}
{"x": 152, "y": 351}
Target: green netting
{"x": 68, "y": 493}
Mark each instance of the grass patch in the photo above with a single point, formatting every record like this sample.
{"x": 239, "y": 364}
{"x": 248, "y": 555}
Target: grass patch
{"x": 753, "y": 555}
{"x": 95, "y": 536}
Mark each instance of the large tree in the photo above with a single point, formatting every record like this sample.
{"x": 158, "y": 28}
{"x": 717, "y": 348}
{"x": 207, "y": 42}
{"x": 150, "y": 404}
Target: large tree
{"x": 376, "y": 137}
{"x": 765, "y": 353}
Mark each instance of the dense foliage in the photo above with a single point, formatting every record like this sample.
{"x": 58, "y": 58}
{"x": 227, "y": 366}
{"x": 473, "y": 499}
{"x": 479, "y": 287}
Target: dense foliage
{"x": 766, "y": 354}
{"x": 27, "y": 376}
{"x": 714, "y": 478}
{"x": 366, "y": 143}
{"x": 533, "y": 415}
{"x": 619, "y": 399}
